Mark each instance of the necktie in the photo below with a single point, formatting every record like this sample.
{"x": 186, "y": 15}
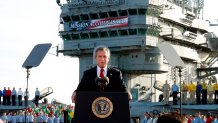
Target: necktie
{"x": 102, "y": 73}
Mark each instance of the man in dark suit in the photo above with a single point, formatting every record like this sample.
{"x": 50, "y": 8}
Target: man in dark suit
{"x": 88, "y": 81}
{"x": 116, "y": 83}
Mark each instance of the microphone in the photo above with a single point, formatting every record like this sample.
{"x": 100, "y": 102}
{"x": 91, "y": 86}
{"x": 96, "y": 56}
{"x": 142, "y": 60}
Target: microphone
{"x": 102, "y": 82}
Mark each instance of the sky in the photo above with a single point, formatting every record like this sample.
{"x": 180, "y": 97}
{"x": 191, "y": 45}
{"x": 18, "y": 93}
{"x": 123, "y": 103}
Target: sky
{"x": 26, "y": 23}
{"x": 210, "y": 13}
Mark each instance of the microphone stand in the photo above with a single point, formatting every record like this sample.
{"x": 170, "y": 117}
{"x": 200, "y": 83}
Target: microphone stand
{"x": 101, "y": 86}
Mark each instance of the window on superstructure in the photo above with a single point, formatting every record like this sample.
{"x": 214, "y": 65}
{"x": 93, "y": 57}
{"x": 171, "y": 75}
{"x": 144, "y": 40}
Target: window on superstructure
{"x": 132, "y": 11}
{"x": 149, "y": 11}
{"x": 122, "y": 32}
{"x": 75, "y": 36}
{"x": 152, "y": 12}
{"x": 66, "y": 37}
{"x": 150, "y": 31}
{"x": 132, "y": 31}
{"x": 93, "y": 35}
{"x": 112, "y": 33}
{"x": 142, "y": 31}
{"x": 103, "y": 34}
{"x": 156, "y": 33}
{"x": 66, "y": 19}
{"x": 94, "y": 16}
{"x": 142, "y": 11}
{"x": 75, "y": 18}
{"x": 113, "y": 14}
{"x": 192, "y": 30}
{"x": 152, "y": 58}
{"x": 122, "y": 12}
{"x": 153, "y": 31}
{"x": 103, "y": 15}
{"x": 156, "y": 13}
{"x": 84, "y": 35}
{"x": 84, "y": 17}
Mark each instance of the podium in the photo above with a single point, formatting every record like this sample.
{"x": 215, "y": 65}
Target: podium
{"x": 101, "y": 107}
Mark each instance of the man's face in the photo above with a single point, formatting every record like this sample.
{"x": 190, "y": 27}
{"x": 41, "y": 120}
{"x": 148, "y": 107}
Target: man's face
{"x": 102, "y": 58}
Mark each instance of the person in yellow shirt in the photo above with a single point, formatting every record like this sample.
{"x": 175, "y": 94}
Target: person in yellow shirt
{"x": 192, "y": 90}
{"x": 210, "y": 91}
{"x": 184, "y": 92}
{"x": 215, "y": 87}
{"x": 204, "y": 92}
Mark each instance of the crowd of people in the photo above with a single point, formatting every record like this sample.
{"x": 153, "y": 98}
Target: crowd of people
{"x": 175, "y": 117}
{"x": 202, "y": 93}
{"x": 44, "y": 113}
{"x": 14, "y": 97}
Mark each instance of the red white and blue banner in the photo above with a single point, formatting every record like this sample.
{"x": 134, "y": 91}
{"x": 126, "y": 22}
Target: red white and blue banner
{"x": 100, "y": 23}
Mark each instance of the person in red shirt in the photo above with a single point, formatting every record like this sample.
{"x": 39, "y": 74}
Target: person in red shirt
{"x": 209, "y": 118}
{"x": 8, "y": 96}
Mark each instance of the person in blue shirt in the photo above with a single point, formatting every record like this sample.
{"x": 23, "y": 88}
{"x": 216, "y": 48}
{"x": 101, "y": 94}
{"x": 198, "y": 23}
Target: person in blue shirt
{"x": 45, "y": 118}
{"x": 14, "y": 94}
{"x": 215, "y": 119}
{"x": 51, "y": 118}
{"x": 20, "y": 117}
{"x": 197, "y": 118}
{"x": 144, "y": 120}
{"x": 30, "y": 117}
{"x": 40, "y": 118}
{"x": 56, "y": 119}
{"x": 4, "y": 96}
{"x": 4, "y": 117}
{"x": 37, "y": 95}
{"x": 175, "y": 90}
{"x": 9, "y": 117}
{"x": 14, "y": 118}
{"x": 202, "y": 120}
{"x": 198, "y": 92}
{"x": 1, "y": 95}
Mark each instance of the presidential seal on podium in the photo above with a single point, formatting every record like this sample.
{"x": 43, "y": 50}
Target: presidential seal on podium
{"x": 102, "y": 107}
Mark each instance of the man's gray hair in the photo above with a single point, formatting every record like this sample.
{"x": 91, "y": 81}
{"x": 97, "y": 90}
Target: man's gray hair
{"x": 102, "y": 48}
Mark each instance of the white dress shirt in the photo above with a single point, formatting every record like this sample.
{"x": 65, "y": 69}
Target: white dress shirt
{"x": 99, "y": 70}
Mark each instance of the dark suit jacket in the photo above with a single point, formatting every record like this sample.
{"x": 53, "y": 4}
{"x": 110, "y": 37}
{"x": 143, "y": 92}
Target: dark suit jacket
{"x": 116, "y": 83}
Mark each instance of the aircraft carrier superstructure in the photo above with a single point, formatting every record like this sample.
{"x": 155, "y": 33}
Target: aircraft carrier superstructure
{"x": 132, "y": 29}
